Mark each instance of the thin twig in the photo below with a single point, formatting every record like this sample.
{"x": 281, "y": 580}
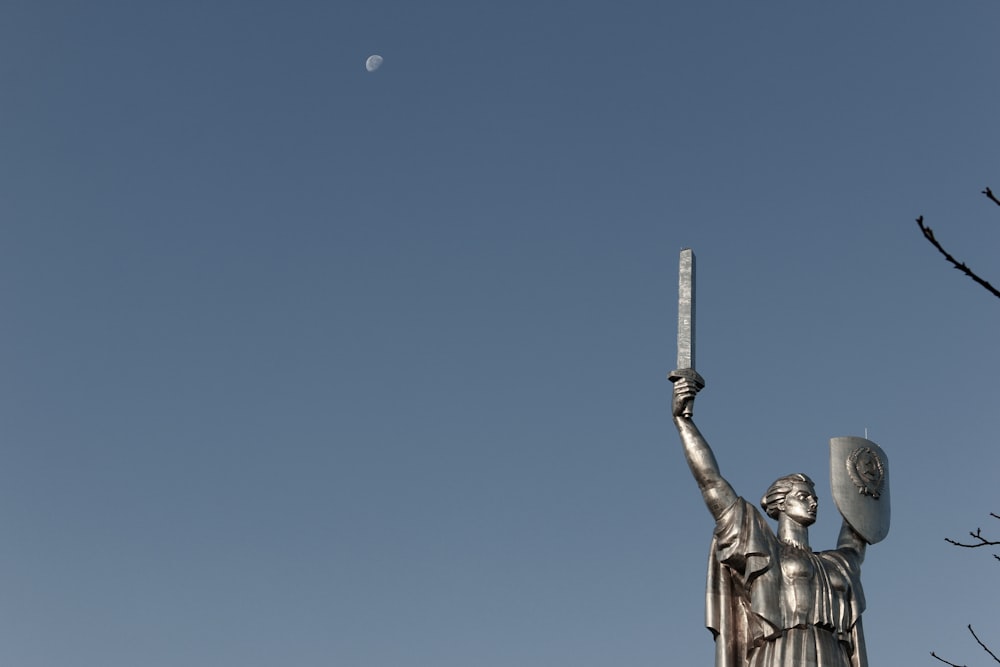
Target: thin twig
{"x": 978, "y": 535}
{"x": 929, "y": 235}
{"x": 935, "y": 655}
{"x": 980, "y": 540}
{"x": 978, "y": 641}
{"x": 985, "y": 647}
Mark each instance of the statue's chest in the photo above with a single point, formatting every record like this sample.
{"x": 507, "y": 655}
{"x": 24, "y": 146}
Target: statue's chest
{"x": 811, "y": 587}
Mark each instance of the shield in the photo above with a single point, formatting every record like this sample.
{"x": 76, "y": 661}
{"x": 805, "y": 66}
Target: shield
{"x": 859, "y": 480}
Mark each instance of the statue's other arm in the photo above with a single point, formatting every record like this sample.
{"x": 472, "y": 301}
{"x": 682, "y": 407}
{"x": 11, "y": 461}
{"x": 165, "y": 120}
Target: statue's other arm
{"x": 716, "y": 491}
{"x": 849, "y": 539}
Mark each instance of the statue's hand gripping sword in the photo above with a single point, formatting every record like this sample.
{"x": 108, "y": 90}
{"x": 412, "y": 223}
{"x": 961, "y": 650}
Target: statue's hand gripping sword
{"x": 685, "y": 329}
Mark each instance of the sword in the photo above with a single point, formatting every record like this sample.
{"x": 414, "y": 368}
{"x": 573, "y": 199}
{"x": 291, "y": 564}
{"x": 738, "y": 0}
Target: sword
{"x": 685, "y": 327}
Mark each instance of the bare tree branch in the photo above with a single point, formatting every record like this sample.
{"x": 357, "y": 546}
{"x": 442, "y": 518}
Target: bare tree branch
{"x": 980, "y": 540}
{"x": 977, "y": 535}
{"x": 929, "y": 235}
{"x": 945, "y": 661}
{"x": 985, "y": 647}
{"x": 978, "y": 641}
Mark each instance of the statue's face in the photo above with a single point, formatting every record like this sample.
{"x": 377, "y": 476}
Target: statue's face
{"x": 800, "y": 504}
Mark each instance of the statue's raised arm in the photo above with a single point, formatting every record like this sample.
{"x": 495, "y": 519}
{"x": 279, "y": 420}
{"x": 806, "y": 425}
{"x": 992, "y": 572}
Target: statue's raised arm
{"x": 771, "y": 601}
{"x": 716, "y": 491}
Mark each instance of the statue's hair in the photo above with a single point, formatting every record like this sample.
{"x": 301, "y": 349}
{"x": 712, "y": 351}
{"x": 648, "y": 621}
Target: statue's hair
{"x": 779, "y": 489}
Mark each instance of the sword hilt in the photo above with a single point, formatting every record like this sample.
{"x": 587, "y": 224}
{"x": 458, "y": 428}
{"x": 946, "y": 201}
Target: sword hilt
{"x": 692, "y": 376}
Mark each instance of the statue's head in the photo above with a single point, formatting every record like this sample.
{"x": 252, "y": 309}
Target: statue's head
{"x": 793, "y": 495}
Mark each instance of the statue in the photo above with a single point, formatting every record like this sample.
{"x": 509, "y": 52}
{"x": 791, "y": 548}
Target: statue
{"x": 771, "y": 601}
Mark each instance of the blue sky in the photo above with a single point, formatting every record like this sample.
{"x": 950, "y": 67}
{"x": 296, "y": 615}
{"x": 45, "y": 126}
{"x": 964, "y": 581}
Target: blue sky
{"x": 308, "y": 365}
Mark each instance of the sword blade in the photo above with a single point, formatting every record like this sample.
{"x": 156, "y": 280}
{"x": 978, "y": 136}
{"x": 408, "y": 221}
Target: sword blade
{"x": 685, "y": 310}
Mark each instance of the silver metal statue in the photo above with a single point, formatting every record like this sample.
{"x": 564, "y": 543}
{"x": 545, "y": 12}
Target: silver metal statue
{"x": 771, "y": 600}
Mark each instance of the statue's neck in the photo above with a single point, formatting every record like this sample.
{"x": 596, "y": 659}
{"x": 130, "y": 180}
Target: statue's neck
{"x": 791, "y": 532}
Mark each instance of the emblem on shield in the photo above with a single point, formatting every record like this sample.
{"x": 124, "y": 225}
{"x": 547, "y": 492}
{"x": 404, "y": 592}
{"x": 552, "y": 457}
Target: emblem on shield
{"x": 859, "y": 480}
{"x": 867, "y": 471}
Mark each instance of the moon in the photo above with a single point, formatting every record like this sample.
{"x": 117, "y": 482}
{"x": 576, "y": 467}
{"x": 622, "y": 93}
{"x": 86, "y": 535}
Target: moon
{"x": 373, "y": 63}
